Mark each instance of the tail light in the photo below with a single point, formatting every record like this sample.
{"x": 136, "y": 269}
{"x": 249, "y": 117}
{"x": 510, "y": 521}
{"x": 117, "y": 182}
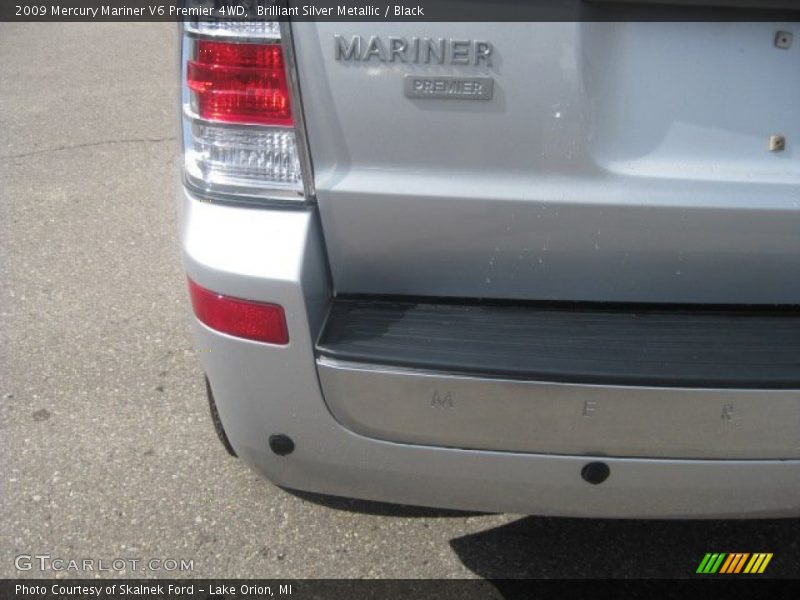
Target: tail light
{"x": 239, "y": 83}
{"x": 243, "y": 136}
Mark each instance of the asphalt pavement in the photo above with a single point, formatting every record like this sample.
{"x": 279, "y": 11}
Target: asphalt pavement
{"x": 107, "y": 449}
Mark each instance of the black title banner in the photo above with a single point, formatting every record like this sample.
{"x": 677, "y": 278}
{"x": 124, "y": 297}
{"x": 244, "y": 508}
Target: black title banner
{"x": 416, "y": 10}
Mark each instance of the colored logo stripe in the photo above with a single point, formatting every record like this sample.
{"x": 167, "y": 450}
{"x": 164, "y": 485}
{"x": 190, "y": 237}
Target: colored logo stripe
{"x": 758, "y": 563}
{"x": 734, "y": 562}
{"x": 711, "y": 563}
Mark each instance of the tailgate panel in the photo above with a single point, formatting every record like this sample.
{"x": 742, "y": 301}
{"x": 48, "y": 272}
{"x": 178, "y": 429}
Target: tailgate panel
{"x": 614, "y": 162}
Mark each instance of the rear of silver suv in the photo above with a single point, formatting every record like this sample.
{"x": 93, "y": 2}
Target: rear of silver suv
{"x": 545, "y": 268}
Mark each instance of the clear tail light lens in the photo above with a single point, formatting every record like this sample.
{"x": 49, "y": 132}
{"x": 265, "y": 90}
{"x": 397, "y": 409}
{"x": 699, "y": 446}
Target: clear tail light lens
{"x": 235, "y": 29}
{"x": 242, "y": 160}
{"x": 241, "y": 131}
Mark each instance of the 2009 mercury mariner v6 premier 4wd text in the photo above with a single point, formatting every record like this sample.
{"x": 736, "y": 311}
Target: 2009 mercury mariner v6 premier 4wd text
{"x": 544, "y": 268}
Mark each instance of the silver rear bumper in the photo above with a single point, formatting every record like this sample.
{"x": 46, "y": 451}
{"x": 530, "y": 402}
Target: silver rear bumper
{"x": 261, "y": 390}
{"x": 441, "y": 409}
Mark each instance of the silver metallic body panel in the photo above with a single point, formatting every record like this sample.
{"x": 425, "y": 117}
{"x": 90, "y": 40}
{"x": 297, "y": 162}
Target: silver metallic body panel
{"x": 615, "y": 162}
{"x": 441, "y": 409}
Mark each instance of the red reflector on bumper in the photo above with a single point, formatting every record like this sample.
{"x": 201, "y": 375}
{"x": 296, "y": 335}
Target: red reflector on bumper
{"x": 258, "y": 321}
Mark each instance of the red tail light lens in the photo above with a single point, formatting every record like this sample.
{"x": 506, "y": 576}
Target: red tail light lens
{"x": 256, "y": 321}
{"x": 240, "y": 83}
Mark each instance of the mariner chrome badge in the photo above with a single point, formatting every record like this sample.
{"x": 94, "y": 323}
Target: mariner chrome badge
{"x": 425, "y": 51}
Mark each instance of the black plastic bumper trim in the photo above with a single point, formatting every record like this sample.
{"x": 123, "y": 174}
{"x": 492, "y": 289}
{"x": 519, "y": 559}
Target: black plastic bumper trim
{"x": 614, "y": 345}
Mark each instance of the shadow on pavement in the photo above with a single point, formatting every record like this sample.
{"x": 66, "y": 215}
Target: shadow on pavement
{"x": 379, "y": 509}
{"x": 543, "y": 547}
